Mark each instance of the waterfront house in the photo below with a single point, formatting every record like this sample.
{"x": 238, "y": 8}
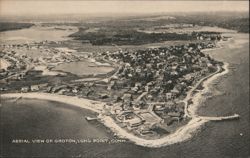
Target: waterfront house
{"x": 25, "y": 89}
{"x": 34, "y": 88}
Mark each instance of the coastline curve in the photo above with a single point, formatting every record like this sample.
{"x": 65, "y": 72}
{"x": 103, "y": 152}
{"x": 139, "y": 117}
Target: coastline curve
{"x": 184, "y": 133}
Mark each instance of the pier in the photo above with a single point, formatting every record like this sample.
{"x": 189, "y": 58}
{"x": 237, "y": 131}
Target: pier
{"x": 232, "y": 117}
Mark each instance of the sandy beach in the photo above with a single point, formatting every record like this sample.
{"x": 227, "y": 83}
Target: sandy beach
{"x": 94, "y": 106}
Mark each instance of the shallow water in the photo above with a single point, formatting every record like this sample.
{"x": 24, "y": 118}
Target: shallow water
{"x": 35, "y": 34}
{"x": 83, "y": 68}
{"x": 40, "y": 119}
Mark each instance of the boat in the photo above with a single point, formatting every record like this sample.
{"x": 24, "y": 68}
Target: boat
{"x": 90, "y": 118}
{"x": 18, "y": 99}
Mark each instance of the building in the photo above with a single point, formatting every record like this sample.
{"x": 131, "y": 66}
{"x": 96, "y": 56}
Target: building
{"x": 150, "y": 117}
{"x": 38, "y": 87}
{"x": 135, "y": 122}
{"x": 34, "y": 88}
{"x": 25, "y": 89}
{"x": 175, "y": 93}
{"x": 169, "y": 96}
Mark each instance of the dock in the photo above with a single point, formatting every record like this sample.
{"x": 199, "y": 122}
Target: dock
{"x": 232, "y": 117}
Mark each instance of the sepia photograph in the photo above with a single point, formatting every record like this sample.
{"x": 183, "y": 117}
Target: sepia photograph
{"x": 124, "y": 79}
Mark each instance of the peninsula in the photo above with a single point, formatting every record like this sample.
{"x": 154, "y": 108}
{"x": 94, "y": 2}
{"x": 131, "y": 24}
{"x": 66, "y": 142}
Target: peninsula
{"x": 145, "y": 84}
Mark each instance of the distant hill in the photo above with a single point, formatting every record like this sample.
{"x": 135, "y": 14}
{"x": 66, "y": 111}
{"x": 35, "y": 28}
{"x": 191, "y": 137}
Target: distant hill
{"x": 241, "y": 25}
{"x": 230, "y": 20}
{"x": 6, "y": 26}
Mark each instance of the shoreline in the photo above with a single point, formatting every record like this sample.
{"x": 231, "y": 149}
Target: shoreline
{"x": 181, "y": 134}
{"x": 94, "y": 106}
{"x": 198, "y": 96}
{"x": 190, "y": 95}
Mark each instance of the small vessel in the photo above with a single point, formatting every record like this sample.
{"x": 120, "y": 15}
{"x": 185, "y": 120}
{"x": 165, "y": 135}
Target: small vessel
{"x": 90, "y": 118}
{"x": 18, "y": 99}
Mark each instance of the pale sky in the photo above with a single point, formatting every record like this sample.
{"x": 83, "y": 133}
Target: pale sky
{"x": 38, "y": 7}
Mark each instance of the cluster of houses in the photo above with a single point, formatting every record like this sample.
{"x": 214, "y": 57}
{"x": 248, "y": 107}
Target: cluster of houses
{"x": 139, "y": 121}
{"x": 145, "y": 118}
{"x": 156, "y": 79}
{"x": 146, "y": 91}
{"x": 34, "y": 88}
{"x": 16, "y": 64}
{"x": 167, "y": 71}
{"x": 20, "y": 60}
{"x": 209, "y": 36}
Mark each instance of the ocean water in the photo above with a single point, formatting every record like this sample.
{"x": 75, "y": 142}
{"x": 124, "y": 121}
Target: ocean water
{"x": 30, "y": 119}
